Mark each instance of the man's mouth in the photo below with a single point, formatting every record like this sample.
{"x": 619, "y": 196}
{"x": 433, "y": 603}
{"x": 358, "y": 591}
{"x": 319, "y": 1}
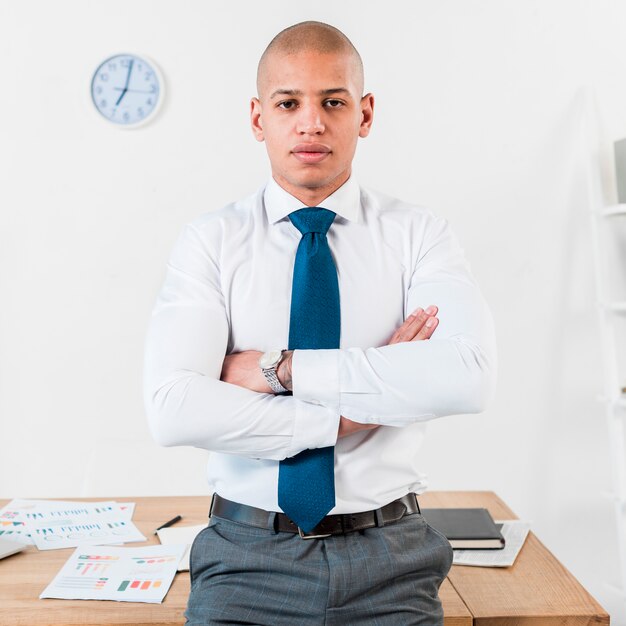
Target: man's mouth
{"x": 311, "y": 152}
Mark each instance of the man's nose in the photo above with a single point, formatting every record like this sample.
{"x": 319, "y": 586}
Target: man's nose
{"x": 310, "y": 121}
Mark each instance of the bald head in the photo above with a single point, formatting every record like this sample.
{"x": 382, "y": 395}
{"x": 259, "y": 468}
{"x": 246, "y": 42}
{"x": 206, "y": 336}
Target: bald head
{"x": 310, "y": 37}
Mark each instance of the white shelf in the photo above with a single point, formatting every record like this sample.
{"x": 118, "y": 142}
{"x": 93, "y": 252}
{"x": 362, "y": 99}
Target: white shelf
{"x": 615, "y": 307}
{"x": 615, "y": 498}
{"x": 613, "y": 210}
{"x": 619, "y": 402}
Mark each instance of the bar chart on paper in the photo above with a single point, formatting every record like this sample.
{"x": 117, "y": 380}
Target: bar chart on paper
{"x": 111, "y": 573}
{"x": 146, "y": 570}
{"x": 94, "y": 564}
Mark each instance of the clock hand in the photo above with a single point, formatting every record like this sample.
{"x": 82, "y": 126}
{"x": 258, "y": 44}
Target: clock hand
{"x": 132, "y": 90}
{"x": 130, "y": 69}
{"x": 121, "y": 95}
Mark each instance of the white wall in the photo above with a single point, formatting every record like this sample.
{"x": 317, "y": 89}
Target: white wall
{"x": 478, "y": 113}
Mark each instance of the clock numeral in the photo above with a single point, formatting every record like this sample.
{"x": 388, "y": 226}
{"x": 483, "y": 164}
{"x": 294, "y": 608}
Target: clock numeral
{"x": 149, "y": 101}
{"x": 125, "y": 62}
{"x": 98, "y": 90}
{"x": 104, "y": 76}
{"x": 153, "y": 88}
{"x": 103, "y": 103}
{"x": 126, "y": 116}
{"x": 112, "y": 67}
{"x": 140, "y": 112}
{"x": 148, "y": 75}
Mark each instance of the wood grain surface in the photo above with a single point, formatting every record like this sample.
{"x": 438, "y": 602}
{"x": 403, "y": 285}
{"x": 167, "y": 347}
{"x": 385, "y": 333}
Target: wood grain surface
{"x": 537, "y": 590}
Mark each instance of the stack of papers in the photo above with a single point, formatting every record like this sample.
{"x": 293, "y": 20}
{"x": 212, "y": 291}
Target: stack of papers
{"x": 55, "y": 524}
{"x": 95, "y": 571}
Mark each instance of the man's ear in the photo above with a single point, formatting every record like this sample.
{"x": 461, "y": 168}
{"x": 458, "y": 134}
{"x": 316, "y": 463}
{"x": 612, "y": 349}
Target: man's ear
{"x": 367, "y": 114}
{"x": 255, "y": 119}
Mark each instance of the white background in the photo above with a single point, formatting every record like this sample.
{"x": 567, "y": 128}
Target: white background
{"x": 478, "y": 114}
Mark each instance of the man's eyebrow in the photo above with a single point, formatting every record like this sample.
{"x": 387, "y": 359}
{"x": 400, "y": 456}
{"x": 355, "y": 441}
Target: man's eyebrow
{"x": 298, "y": 92}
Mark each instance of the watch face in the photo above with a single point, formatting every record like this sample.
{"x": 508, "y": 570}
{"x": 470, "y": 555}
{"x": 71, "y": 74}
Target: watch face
{"x": 270, "y": 358}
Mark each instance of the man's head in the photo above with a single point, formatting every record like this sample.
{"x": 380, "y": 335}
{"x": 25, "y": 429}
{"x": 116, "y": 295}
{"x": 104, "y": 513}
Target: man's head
{"x": 310, "y": 109}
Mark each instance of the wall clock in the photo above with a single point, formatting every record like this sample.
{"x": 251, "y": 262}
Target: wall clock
{"x": 127, "y": 90}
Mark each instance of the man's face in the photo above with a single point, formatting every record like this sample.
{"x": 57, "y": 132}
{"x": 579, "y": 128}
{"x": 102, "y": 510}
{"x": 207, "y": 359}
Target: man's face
{"x": 310, "y": 114}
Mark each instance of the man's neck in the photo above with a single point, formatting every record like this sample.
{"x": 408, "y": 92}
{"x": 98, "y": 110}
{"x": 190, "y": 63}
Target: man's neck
{"x": 315, "y": 195}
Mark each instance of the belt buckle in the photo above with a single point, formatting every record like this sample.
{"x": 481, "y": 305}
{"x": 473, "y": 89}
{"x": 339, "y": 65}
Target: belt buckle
{"x": 304, "y": 535}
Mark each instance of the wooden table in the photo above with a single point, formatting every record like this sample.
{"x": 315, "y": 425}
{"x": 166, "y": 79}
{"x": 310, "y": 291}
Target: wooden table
{"x": 537, "y": 590}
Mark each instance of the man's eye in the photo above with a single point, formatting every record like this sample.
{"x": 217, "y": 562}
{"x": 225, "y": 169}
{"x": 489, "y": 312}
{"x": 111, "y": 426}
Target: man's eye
{"x": 287, "y": 105}
{"x": 333, "y": 104}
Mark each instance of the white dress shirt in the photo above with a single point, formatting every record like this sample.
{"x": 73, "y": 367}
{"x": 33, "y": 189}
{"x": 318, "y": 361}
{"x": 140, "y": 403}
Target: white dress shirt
{"x": 228, "y": 289}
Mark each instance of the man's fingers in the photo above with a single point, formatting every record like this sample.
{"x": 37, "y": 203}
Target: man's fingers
{"x": 427, "y": 329}
{"x": 402, "y": 331}
{"x": 414, "y": 325}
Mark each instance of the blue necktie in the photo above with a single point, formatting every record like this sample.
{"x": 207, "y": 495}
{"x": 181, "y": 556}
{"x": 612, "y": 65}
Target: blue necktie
{"x": 306, "y": 482}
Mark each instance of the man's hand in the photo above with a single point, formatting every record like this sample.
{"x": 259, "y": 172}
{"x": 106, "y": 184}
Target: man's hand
{"x": 242, "y": 368}
{"x": 418, "y": 326}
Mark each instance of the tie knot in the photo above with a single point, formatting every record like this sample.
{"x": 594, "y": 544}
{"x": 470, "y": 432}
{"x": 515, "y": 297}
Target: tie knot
{"x": 312, "y": 220}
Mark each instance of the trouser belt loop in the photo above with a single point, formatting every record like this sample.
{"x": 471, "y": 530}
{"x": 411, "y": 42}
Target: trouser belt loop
{"x": 272, "y": 521}
{"x": 378, "y": 514}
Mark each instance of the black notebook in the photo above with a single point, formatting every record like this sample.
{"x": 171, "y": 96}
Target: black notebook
{"x": 466, "y": 529}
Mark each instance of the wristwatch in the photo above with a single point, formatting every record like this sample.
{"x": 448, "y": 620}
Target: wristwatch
{"x": 269, "y": 362}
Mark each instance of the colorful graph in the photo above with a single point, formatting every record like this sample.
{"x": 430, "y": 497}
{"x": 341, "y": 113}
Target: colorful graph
{"x": 99, "y": 557}
{"x": 10, "y": 523}
{"x": 71, "y": 532}
{"x": 139, "y": 584}
{"x": 21, "y": 533}
{"x": 154, "y": 559}
{"x": 111, "y": 573}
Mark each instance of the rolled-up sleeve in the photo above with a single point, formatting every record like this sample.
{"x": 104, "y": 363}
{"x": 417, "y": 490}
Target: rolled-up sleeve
{"x": 185, "y": 400}
{"x": 454, "y": 372}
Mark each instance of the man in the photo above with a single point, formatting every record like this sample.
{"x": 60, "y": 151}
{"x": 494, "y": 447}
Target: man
{"x": 326, "y": 427}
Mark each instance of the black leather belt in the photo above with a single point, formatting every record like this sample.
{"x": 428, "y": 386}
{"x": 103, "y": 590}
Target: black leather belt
{"x": 330, "y": 525}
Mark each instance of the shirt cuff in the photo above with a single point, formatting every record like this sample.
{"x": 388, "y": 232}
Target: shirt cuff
{"x": 315, "y": 426}
{"x": 315, "y": 381}
{"x": 315, "y": 376}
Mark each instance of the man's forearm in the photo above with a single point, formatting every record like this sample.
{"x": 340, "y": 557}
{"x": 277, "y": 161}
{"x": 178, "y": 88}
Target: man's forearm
{"x": 419, "y": 326}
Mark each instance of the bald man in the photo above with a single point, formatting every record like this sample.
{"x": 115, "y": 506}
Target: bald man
{"x": 314, "y": 467}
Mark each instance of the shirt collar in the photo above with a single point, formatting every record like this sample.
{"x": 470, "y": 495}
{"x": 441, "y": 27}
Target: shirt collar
{"x": 345, "y": 201}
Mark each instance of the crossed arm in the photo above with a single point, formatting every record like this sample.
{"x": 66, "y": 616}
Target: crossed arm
{"x": 242, "y": 368}
{"x": 335, "y": 392}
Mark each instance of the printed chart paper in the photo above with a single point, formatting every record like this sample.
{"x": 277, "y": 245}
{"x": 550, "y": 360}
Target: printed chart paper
{"x": 12, "y": 526}
{"x": 122, "y": 574}
{"x": 54, "y": 524}
{"x": 12, "y": 517}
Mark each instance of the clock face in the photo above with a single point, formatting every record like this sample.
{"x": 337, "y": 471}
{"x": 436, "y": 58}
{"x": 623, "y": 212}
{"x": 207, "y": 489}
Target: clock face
{"x": 126, "y": 89}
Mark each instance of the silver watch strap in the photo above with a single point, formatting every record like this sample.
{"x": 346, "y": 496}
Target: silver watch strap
{"x": 272, "y": 379}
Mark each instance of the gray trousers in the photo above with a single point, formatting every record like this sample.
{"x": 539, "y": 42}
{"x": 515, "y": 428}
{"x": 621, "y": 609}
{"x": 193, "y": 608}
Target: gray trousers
{"x": 379, "y": 576}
